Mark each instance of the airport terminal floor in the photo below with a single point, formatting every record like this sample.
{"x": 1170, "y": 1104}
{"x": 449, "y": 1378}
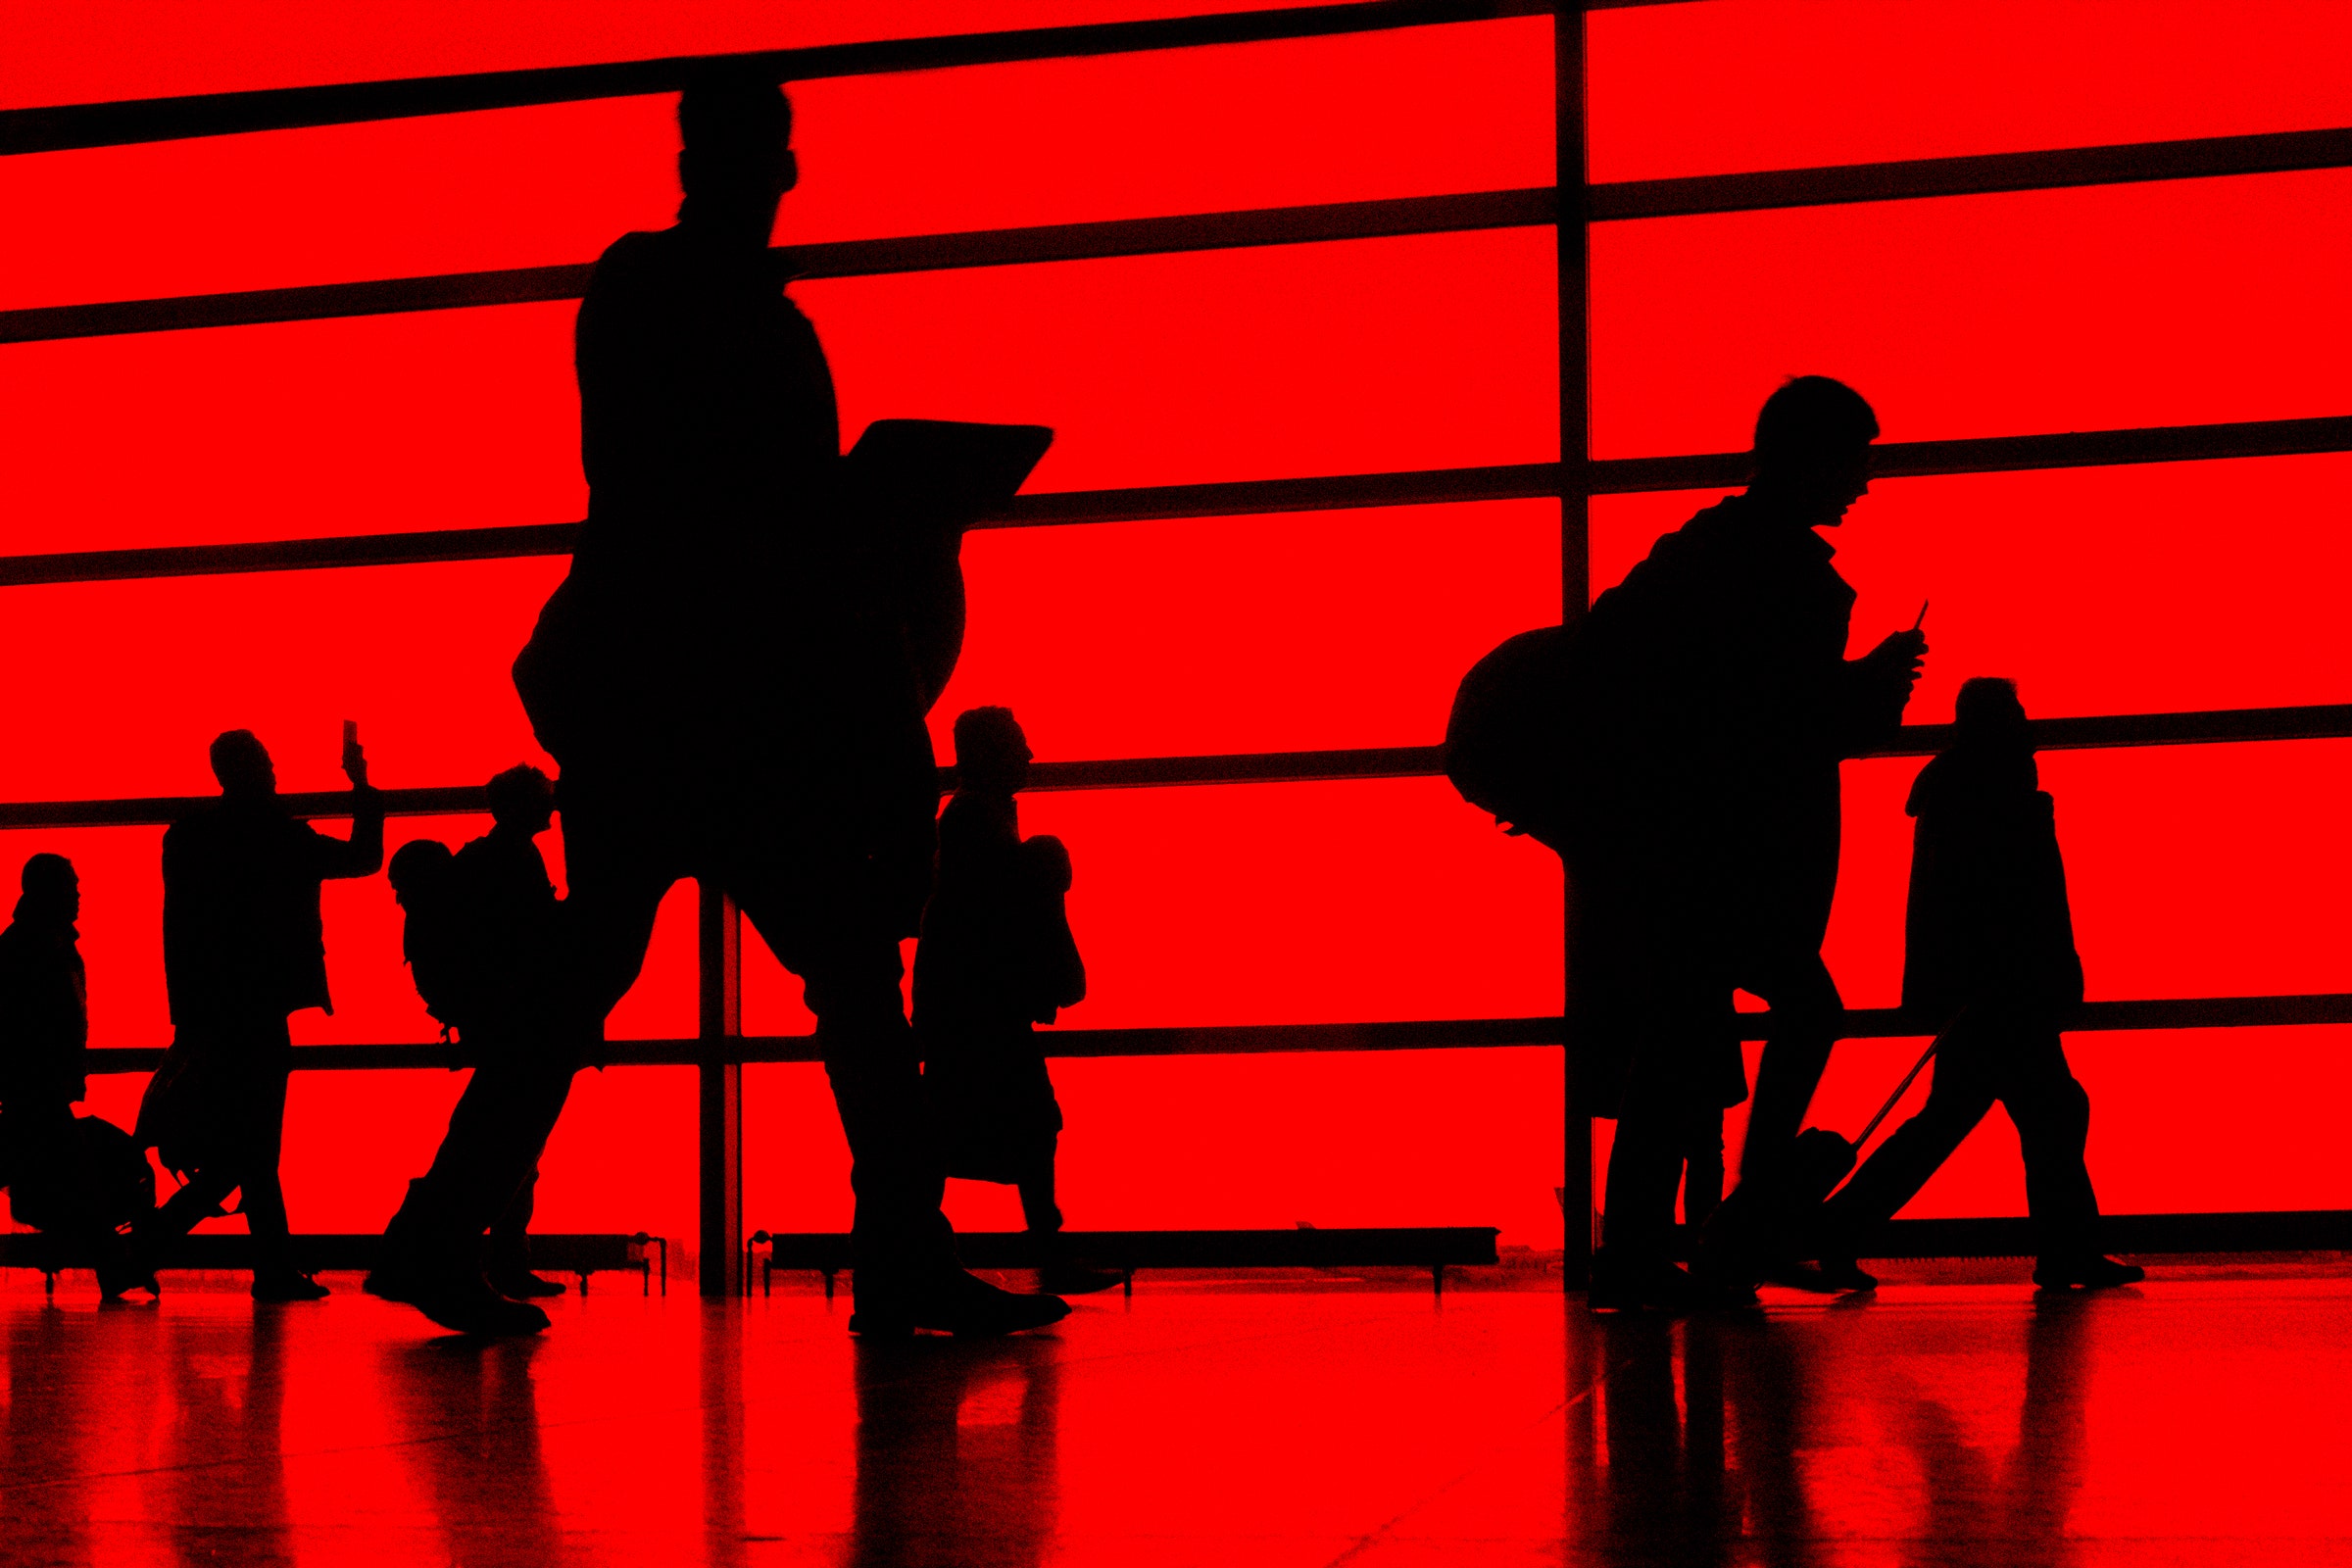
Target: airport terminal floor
{"x": 1954, "y": 1417}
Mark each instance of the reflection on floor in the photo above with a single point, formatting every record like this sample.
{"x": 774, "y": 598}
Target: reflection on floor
{"x": 2192, "y": 1420}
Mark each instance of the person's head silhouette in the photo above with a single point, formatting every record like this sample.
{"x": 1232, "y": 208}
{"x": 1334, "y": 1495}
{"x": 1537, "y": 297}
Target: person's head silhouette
{"x": 523, "y": 801}
{"x": 241, "y": 762}
{"x": 1986, "y": 712}
{"x": 992, "y": 754}
{"x": 735, "y": 159}
{"x": 1812, "y": 454}
{"x": 52, "y": 892}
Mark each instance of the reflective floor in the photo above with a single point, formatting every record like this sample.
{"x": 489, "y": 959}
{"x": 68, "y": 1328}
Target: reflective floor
{"x": 2192, "y": 1421}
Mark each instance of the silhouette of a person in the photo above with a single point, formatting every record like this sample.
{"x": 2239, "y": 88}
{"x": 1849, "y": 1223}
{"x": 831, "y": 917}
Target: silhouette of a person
{"x": 243, "y": 950}
{"x": 726, "y": 677}
{"x": 44, "y": 1017}
{"x": 520, "y": 1028}
{"x": 1989, "y": 945}
{"x": 1721, "y": 703}
{"x": 997, "y": 959}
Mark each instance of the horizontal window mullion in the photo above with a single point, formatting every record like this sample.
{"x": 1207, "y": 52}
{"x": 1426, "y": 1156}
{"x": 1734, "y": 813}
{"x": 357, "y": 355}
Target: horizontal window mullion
{"x": 1242, "y": 1040}
{"x": 2092, "y": 732}
{"x": 57, "y": 127}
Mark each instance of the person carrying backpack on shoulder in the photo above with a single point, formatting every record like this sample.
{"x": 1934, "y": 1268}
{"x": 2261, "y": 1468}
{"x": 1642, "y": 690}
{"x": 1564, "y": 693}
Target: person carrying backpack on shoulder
{"x": 1989, "y": 945}
{"x": 483, "y": 945}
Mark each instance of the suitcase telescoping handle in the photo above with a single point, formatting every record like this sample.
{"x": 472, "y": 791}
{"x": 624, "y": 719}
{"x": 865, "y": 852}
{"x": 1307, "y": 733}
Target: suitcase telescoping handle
{"x": 1924, "y": 1057}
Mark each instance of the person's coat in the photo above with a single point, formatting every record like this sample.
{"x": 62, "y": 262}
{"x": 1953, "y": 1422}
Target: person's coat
{"x": 1987, "y": 921}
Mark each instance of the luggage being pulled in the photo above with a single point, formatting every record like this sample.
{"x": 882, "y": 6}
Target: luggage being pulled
{"x": 1752, "y": 1227}
{"x": 90, "y": 1177}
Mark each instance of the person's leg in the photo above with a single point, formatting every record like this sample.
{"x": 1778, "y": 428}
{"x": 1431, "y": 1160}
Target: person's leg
{"x": 1635, "y": 1267}
{"x": 904, "y": 1271}
{"x": 1702, "y": 1164}
{"x": 618, "y": 870}
{"x": 1040, "y": 1214}
{"x": 1807, "y": 1014}
{"x": 2053, "y": 1114}
{"x": 263, "y": 1200}
{"x": 510, "y": 1231}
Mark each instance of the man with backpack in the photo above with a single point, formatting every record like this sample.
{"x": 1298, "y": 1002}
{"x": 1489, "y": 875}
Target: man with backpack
{"x": 484, "y": 949}
{"x": 1715, "y": 703}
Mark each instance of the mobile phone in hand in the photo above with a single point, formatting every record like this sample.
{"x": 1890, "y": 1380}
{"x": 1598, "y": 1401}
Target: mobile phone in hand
{"x": 351, "y": 743}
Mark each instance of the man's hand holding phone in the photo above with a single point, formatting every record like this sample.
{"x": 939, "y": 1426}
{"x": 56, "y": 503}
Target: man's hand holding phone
{"x": 1900, "y": 655}
{"x": 354, "y": 759}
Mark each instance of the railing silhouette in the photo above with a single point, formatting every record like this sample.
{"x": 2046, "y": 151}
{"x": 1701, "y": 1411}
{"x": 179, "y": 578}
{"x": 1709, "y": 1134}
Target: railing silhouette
{"x": 721, "y": 1050}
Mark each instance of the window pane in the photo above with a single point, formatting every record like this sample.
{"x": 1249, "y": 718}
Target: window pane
{"x": 1741, "y": 85}
{"x": 2072, "y": 310}
{"x": 1242, "y": 634}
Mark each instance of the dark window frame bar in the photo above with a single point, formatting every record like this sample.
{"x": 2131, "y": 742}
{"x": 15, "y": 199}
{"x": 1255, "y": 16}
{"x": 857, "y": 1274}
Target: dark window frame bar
{"x": 2227, "y": 726}
{"x": 1254, "y": 1040}
{"x": 1907, "y": 179}
{"x": 1516, "y": 481}
{"x": 57, "y": 127}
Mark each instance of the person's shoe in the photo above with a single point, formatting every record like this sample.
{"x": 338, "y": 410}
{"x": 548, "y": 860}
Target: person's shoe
{"x": 389, "y": 1282}
{"x": 2090, "y": 1271}
{"x": 1654, "y": 1285}
{"x": 522, "y": 1285}
{"x": 124, "y": 1275}
{"x": 289, "y": 1285}
{"x": 1844, "y": 1274}
{"x": 471, "y": 1307}
{"x": 1070, "y": 1279}
{"x": 957, "y": 1303}
{"x": 1830, "y": 1277}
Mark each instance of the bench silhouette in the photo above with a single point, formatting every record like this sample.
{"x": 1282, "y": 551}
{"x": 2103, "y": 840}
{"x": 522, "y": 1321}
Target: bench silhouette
{"x": 580, "y": 1255}
{"x": 1435, "y": 1247}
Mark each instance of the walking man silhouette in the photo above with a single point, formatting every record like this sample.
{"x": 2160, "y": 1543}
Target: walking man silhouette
{"x": 726, "y": 677}
{"x": 1989, "y": 953}
{"x": 484, "y": 947}
{"x": 243, "y": 949}
{"x": 1721, "y": 702}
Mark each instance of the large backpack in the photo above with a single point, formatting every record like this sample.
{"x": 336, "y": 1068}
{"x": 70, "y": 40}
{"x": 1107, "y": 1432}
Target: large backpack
{"x": 1509, "y": 739}
{"x": 437, "y": 935}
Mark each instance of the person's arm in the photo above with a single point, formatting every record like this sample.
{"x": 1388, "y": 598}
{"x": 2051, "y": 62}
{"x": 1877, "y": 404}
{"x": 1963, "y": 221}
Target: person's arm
{"x": 1874, "y": 689}
{"x": 363, "y": 854}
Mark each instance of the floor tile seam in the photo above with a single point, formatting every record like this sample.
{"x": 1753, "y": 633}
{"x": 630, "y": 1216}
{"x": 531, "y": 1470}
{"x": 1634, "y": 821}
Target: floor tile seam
{"x": 1386, "y": 1529}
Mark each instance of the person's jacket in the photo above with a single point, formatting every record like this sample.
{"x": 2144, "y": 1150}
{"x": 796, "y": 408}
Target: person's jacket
{"x": 1716, "y": 703}
{"x": 729, "y": 630}
{"x": 510, "y": 916}
{"x": 996, "y": 954}
{"x": 44, "y": 1014}
{"x": 242, "y": 937}
{"x": 1987, "y": 921}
